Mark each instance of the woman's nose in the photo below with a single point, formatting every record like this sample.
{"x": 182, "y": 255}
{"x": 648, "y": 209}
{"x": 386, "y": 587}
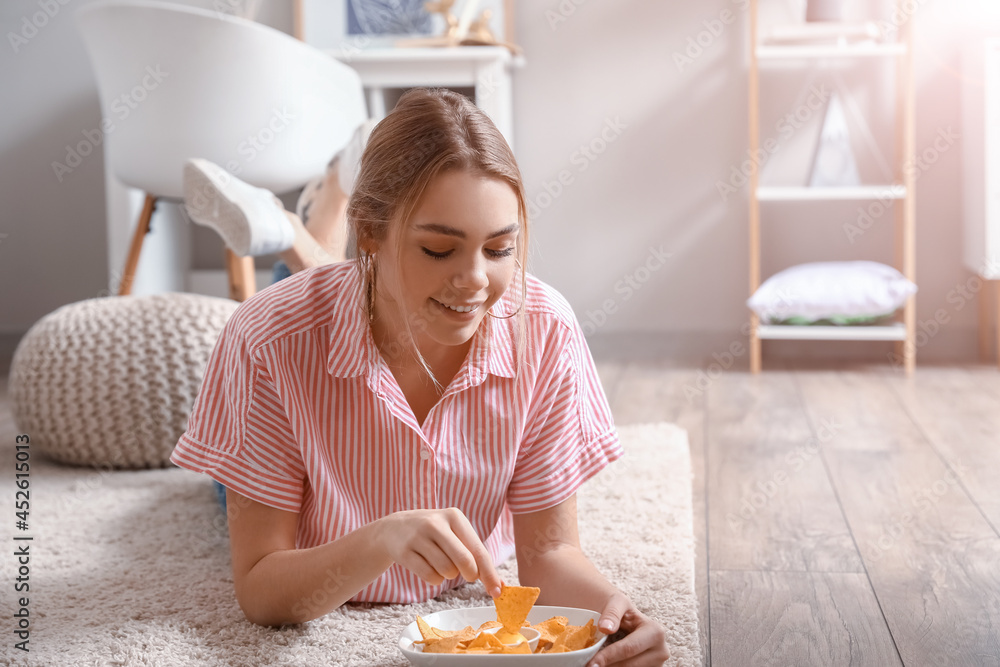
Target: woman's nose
{"x": 471, "y": 277}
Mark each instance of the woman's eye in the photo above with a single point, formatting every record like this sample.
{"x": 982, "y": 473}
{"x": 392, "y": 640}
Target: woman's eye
{"x": 495, "y": 254}
{"x": 435, "y": 255}
{"x": 506, "y": 252}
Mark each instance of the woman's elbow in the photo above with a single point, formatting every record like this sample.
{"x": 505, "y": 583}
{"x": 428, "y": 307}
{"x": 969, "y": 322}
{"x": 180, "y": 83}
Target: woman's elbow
{"x": 260, "y": 611}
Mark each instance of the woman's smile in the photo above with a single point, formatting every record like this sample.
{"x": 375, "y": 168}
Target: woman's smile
{"x": 459, "y": 309}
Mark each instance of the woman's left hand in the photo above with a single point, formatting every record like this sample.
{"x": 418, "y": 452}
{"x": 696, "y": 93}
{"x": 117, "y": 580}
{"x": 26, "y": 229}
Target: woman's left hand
{"x": 644, "y": 643}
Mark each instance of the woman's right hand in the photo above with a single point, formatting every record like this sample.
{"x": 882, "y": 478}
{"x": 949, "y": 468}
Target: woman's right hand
{"x": 436, "y": 545}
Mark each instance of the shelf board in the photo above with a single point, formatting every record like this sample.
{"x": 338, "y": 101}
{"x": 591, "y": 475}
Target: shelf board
{"x": 420, "y": 53}
{"x": 774, "y": 52}
{"x": 797, "y": 193}
{"x": 894, "y": 331}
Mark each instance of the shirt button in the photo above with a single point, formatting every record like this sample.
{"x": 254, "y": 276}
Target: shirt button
{"x": 425, "y": 454}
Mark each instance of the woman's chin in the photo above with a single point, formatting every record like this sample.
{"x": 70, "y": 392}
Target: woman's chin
{"x": 449, "y": 327}
{"x": 455, "y": 336}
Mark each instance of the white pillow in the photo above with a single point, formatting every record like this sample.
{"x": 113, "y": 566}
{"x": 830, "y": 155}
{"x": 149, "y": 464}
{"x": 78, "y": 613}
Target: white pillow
{"x": 845, "y": 292}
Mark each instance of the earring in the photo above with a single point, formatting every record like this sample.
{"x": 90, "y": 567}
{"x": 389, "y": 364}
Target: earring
{"x": 370, "y": 279}
{"x": 507, "y": 317}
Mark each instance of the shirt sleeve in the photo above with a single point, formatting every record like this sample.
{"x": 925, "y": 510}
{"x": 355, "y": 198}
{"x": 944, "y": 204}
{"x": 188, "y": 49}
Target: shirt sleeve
{"x": 569, "y": 434}
{"x": 238, "y": 432}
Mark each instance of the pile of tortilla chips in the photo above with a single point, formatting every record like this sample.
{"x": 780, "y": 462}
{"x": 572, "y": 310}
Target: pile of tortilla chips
{"x": 513, "y": 605}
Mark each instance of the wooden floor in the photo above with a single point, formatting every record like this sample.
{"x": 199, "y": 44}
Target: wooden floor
{"x": 842, "y": 517}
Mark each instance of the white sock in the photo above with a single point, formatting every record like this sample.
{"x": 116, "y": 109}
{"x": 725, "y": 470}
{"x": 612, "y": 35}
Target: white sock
{"x": 348, "y": 162}
{"x": 250, "y": 220}
{"x": 349, "y": 158}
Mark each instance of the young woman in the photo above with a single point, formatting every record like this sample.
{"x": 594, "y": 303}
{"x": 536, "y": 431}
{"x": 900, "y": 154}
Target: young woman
{"x": 390, "y": 427}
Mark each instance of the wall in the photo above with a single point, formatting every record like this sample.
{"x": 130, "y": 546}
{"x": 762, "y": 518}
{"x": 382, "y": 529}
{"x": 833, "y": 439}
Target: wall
{"x": 621, "y": 145}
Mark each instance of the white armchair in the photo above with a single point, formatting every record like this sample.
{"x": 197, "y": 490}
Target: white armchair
{"x": 177, "y": 82}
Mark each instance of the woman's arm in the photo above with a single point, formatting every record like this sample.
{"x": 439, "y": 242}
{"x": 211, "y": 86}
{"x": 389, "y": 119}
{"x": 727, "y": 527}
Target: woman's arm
{"x": 549, "y": 557}
{"x": 278, "y": 584}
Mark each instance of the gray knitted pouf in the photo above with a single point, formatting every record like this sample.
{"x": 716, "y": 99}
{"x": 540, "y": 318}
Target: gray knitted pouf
{"x": 110, "y": 382}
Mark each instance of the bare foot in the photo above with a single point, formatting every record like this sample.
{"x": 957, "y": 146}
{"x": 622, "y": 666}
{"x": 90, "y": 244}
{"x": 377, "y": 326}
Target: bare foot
{"x": 327, "y": 219}
{"x": 305, "y": 252}
{"x": 323, "y": 204}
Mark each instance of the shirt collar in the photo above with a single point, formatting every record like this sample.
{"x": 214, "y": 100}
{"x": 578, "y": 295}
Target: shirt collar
{"x": 350, "y": 336}
{"x": 493, "y": 352}
{"x": 353, "y": 351}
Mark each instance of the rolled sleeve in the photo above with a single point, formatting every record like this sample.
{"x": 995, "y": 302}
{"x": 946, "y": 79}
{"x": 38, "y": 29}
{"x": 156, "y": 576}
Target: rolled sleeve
{"x": 238, "y": 432}
{"x": 569, "y": 437}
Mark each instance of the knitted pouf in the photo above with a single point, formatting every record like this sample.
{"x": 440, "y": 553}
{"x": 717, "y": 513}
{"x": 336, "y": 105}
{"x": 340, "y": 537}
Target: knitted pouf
{"x": 110, "y": 382}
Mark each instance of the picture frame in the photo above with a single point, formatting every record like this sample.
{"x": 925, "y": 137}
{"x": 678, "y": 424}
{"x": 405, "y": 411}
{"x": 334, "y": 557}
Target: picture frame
{"x": 355, "y": 25}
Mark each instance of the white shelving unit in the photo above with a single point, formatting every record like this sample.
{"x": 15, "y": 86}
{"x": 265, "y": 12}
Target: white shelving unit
{"x": 901, "y": 191}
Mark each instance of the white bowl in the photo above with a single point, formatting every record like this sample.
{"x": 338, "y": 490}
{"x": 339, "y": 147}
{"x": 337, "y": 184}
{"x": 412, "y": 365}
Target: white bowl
{"x": 456, "y": 619}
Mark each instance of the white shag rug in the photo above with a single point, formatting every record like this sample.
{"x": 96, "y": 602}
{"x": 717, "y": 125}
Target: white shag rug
{"x": 132, "y": 568}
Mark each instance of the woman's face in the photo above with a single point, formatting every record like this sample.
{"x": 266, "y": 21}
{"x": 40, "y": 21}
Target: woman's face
{"x": 456, "y": 258}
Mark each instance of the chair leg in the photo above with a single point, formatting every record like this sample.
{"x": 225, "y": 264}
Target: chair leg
{"x": 135, "y": 248}
{"x": 242, "y": 281}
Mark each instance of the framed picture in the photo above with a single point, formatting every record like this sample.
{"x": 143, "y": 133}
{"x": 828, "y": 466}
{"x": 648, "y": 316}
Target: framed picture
{"x": 352, "y": 25}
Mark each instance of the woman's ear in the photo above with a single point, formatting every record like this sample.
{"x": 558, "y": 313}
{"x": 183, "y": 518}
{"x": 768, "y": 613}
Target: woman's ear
{"x": 368, "y": 246}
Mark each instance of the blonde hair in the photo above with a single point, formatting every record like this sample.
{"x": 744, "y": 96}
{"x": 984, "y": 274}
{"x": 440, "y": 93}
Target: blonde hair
{"x": 428, "y": 133}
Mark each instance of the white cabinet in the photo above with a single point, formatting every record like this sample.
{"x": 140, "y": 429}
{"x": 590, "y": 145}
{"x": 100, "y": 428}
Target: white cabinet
{"x": 981, "y": 155}
{"x": 486, "y": 69}
{"x": 981, "y": 177}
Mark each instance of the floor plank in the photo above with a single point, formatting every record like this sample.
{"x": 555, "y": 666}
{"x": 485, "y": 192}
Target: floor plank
{"x": 771, "y": 504}
{"x": 932, "y": 559}
{"x": 797, "y": 618}
{"x": 960, "y": 416}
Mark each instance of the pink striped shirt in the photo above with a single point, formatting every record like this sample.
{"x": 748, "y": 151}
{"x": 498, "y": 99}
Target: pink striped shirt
{"x": 299, "y": 411}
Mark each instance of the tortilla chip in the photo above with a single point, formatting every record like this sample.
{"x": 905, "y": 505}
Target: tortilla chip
{"x": 550, "y": 629}
{"x": 574, "y": 637}
{"x": 426, "y": 631}
{"x": 489, "y": 625}
{"x": 464, "y": 635}
{"x": 446, "y": 645}
{"x": 513, "y": 605}
{"x": 556, "y": 649}
{"x": 485, "y": 640}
